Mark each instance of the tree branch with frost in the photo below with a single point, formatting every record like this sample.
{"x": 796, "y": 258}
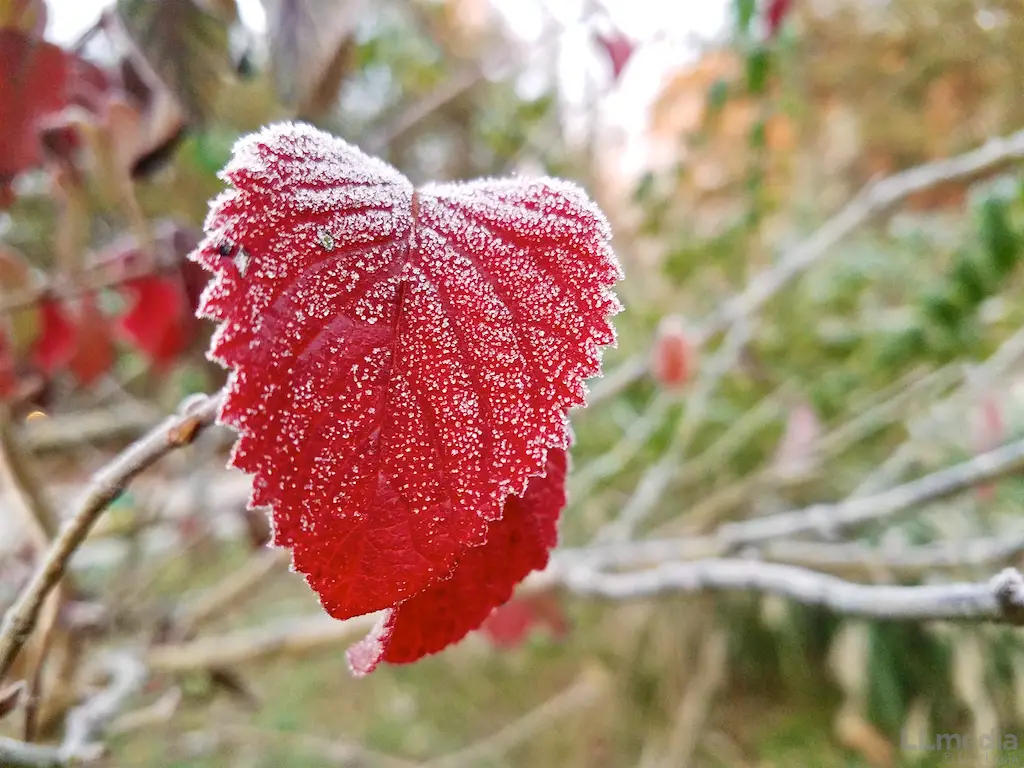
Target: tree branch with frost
{"x": 1000, "y": 599}
{"x": 105, "y": 486}
{"x": 85, "y": 723}
{"x": 873, "y": 200}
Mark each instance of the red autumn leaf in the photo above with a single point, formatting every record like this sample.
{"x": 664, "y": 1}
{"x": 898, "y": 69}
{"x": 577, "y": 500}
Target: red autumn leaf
{"x": 94, "y": 353}
{"x": 158, "y": 323}
{"x": 55, "y": 344}
{"x": 484, "y": 578}
{"x": 402, "y": 360}
{"x": 37, "y": 79}
{"x": 8, "y": 374}
{"x": 673, "y": 356}
{"x": 510, "y": 624}
{"x": 618, "y": 48}
{"x": 775, "y": 14}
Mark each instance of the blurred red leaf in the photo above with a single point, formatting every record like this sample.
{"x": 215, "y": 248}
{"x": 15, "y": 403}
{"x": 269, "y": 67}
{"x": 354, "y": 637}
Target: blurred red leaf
{"x": 510, "y": 624}
{"x": 37, "y": 79}
{"x": 158, "y": 322}
{"x": 8, "y": 375}
{"x": 57, "y": 339}
{"x": 618, "y": 48}
{"x": 673, "y": 357}
{"x": 775, "y": 14}
{"x": 94, "y": 354}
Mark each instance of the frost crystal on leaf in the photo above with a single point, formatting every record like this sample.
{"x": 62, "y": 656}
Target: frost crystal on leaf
{"x": 402, "y": 360}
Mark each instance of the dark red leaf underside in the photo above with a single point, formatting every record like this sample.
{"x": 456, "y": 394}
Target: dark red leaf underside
{"x": 445, "y": 612}
{"x": 401, "y": 360}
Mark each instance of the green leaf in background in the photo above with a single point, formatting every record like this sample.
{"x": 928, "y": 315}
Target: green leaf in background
{"x": 758, "y": 66}
{"x": 1002, "y": 244}
{"x": 745, "y": 10}
{"x": 185, "y": 44}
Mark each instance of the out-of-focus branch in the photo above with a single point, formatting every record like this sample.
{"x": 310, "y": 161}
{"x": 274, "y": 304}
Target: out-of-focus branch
{"x": 291, "y": 636}
{"x": 876, "y": 198}
{"x": 85, "y": 723}
{"x": 1000, "y": 599}
{"x": 16, "y": 475}
{"x": 231, "y": 590}
{"x": 127, "y": 419}
{"x": 578, "y": 696}
{"x": 175, "y": 432}
{"x": 978, "y": 470}
{"x": 844, "y": 558}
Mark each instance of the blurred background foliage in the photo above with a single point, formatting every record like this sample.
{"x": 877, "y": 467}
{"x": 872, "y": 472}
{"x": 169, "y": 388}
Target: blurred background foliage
{"x": 897, "y": 353}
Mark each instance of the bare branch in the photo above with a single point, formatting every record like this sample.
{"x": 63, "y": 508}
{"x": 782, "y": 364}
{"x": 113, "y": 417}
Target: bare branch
{"x": 85, "y": 723}
{"x": 581, "y": 694}
{"x": 175, "y": 432}
{"x": 16, "y": 475}
{"x": 875, "y": 199}
{"x": 1000, "y": 599}
{"x": 291, "y": 636}
{"x": 233, "y": 589}
{"x": 983, "y": 468}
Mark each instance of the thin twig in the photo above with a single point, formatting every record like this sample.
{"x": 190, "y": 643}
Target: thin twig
{"x": 175, "y": 432}
{"x": 289, "y": 636}
{"x": 875, "y": 199}
{"x": 581, "y": 694}
{"x": 16, "y": 475}
{"x": 692, "y": 714}
{"x": 946, "y": 482}
{"x": 85, "y": 723}
{"x": 232, "y": 590}
{"x": 1000, "y": 599}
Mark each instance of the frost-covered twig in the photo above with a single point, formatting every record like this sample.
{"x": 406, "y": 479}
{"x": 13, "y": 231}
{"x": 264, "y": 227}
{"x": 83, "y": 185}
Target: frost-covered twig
{"x": 658, "y": 477}
{"x": 175, "y": 432}
{"x": 855, "y": 511}
{"x": 874, "y": 199}
{"x": 85, "y": 723}
{"x": 288, "y": 636}
{"x": 1000, "y": 599}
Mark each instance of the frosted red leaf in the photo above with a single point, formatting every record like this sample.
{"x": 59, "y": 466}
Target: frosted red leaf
{"x": 401, "y": 359}
{"x": 55, "y": 344}
{"x": 484, "y": 578}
